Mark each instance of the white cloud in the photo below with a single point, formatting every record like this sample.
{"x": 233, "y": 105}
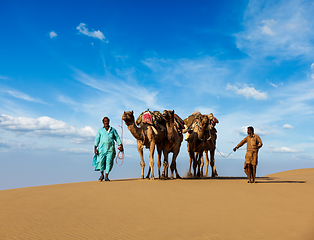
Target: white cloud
{"x": 52, "y": 34}
{"x": 95, "y": 34}
{"x": 281, "y": 29}
{"x": 261, "y": 130}
{"x": 266, "y": 28}
{"x": 274, "y": 85}
{"x": 287, "y": 126}
{"x": 312, "y": 65}
{"x": 4, "y": 78}
{"x": 283, "y": 150}
{"x": 44, "y": 126}
{"x": 248, "y": 92}
{"x": 312, "y": 76}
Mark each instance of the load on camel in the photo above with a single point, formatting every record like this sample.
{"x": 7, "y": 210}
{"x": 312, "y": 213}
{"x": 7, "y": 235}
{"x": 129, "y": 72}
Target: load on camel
{"x": 174, "y": 125}
{"x": 150, "y": 132}
{"x": 203, "y": 141}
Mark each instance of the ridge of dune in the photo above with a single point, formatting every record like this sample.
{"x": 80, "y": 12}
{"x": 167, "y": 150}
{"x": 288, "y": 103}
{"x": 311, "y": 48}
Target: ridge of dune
{"x": 306, "y": 173}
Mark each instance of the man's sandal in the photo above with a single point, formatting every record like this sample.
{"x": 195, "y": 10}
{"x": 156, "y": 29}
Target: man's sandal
{"x": 101, "y": 179}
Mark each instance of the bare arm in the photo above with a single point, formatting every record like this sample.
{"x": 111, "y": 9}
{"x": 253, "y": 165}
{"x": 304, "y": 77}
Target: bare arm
{"x": 96, "y": 151}
{"x": 240, "y": 144}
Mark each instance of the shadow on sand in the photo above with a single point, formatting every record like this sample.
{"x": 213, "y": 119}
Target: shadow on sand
{"x": 258, "y": 179}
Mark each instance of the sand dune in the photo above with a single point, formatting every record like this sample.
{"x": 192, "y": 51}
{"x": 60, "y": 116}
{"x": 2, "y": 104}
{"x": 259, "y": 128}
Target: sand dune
{"x": 278, "y": 206}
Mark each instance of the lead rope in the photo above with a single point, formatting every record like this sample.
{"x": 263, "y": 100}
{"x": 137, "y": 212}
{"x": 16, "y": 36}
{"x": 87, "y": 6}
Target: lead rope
{"x": 120, "y": 152}
{"x": 229, "y": 153}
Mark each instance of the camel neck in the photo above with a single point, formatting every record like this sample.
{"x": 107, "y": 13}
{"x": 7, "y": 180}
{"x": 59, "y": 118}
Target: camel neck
{"x": 136, "y": 131}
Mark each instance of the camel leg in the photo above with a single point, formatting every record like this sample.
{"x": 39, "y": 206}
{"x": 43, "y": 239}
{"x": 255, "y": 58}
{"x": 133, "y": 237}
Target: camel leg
{"x": 140, "y": 151}
{"x": 159, "y": 150}
{"x": 189, "y": 172}
{"x": 191, "y": 161}
{"x": 151, "y": 161}
{"x": 148, "y": 174}
{"x": 195, "y": 163}
{"x": 201, "y": 165}
{"x": 212, "y": 163}
{"x": 173, "y": 166}
{"x": 199, "y": 157}
{"x": 165, "y": 165}
{"x": 207, "y": 162}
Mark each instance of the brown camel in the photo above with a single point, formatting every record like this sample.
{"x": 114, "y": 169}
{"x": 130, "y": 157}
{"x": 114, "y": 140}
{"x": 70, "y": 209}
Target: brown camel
{"x": 196, "y": 144}
{"x": 145, "y": 136}
{"x": 210, "y": 145}
{"x": 172, "y": 144}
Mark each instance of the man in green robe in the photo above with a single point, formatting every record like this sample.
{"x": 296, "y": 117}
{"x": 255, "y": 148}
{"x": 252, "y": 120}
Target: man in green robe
{"x": 105, "y": 151}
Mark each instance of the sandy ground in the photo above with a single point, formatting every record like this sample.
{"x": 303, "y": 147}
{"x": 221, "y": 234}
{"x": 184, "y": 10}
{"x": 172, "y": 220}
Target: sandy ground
{"x": 278, "y": 206}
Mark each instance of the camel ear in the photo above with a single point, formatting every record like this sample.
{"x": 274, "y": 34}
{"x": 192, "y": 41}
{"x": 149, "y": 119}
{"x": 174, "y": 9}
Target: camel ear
{"x": 123, "y": 112}
{"x": 172, "y": 111}
{"x": 132, "y": 112}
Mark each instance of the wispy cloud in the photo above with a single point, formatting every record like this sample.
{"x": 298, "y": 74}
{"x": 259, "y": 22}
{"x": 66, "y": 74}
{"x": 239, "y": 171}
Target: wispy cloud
{"x": 52, "y": 34}
{"x": 75, "y": 150}
{"x": 303, "y": 157}
{"x": 287, "y": 126}
{"x": 44, "y": 126}
{"x": 4, "y": 77}
{"x": 20, "y": 95}
{"x": 95, "y": 34}
{"x": 185, "y": 72}
{"x": 123, "y": 88}
{"x": 4, "y": 144}
{"x": 248, "y": 92}
{"x": 281, "y": 29}
{"x": 283, "y": 150}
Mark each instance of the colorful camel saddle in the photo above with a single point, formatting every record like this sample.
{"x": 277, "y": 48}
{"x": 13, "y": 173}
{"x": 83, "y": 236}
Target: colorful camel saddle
{"x": 179, "y": 123}
{"x": 194, "y": 119}
{"x": 153, "y": 118}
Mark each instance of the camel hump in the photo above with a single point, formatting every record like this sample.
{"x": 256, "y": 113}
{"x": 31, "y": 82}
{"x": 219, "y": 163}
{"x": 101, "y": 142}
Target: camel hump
{"x": 191, "y": 119}
{"x": 154, "y": 118}
{"x": 178, "y": 121}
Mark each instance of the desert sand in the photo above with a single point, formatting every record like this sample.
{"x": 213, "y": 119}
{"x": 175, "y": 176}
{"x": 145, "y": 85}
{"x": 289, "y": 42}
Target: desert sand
{"x": 278, "y": 206}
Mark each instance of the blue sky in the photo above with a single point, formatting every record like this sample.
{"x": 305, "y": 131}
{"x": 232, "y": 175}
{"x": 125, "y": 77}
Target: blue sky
{"x": 64, "y": 65}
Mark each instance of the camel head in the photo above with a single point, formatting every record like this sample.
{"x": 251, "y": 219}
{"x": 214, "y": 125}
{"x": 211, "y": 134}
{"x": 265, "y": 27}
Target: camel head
{"x": 168, "y": 115}
{"x": 204, "y": 121}
{"x": 128, "y": 117}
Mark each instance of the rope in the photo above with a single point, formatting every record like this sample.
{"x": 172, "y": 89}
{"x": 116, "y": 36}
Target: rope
{"x": 231, "y": 152}
{"x": 222, "y": 154}
{"x": 120, "y": 152}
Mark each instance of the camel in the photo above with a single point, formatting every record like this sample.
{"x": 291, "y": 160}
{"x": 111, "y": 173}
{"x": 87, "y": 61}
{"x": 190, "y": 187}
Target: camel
{"x": 210, "y": 145}
{"x": 145, "y": 136}
{"x": 172, "y": 144}
{"x": 196, "y": 144}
